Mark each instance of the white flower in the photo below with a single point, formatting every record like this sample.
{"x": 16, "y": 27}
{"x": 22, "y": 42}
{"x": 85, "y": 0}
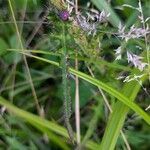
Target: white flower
{"x": 85, "y": 25}
{"x": 99, "y": 16}
{"x": 120, "y": 77}
{"x": 118, "y": 53}
{"x": 121, "y": 29}
{"x": 102, "y": 17}
{"x": 134, "y": 78}
{"x": 133, "y": 33}
{"x": 118, "y": 57}
{"x": 147, "y": 108}
{"x": 136, "y": 60}
{"x": 90, "y": 22}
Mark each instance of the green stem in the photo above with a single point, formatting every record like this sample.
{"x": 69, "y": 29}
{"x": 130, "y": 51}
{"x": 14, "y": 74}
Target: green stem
{"x": 65, "y": 83}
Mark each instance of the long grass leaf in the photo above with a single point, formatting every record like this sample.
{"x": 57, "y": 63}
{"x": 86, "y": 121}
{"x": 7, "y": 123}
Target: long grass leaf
{"x": 40, "y": 122}
{"x": 125, "y": 100}
{"x": 114, "y": 93}
{"x": 117, "y": 118}
{"x": 89, "y": 60}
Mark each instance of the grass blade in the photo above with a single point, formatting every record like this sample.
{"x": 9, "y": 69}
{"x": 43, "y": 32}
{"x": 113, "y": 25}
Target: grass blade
{"x": 41, "y": 123}
{"x": 125, "y": 100}
{"x": 117, "y": 118}
{"x": 114, "y": 93}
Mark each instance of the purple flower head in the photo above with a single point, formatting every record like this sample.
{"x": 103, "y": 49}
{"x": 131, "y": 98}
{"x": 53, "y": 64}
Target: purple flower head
{"x": 64, "y": 15}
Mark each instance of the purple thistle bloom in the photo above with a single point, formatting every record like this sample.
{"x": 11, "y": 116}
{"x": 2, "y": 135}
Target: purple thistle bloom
{"x": 64, "y": 15}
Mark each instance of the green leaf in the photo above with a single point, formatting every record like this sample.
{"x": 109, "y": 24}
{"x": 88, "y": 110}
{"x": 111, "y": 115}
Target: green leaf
{"x": 15, "y": 144}
{"x": 98, "y": 62}
{"x": 122, "y": 98}
{"x": 41, "y": 124}
{"x": 3, "y": 47}
{"x": 117, "y": 118}
{"x": 12, "y": 57}
{"x": 125, "y": 100}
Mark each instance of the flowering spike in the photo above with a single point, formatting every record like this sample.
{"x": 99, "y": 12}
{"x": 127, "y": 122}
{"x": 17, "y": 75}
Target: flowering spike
{"x": 136, "y": 60}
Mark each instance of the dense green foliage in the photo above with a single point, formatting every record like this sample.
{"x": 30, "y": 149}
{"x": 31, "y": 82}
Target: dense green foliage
{"x": 38, "y": 51}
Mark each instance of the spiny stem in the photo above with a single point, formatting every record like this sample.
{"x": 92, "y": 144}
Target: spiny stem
{"x": 65, "y": 83}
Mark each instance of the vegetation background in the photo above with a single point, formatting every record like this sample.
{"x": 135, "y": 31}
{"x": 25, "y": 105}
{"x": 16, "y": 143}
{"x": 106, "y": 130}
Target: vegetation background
{"x": 32, "y": 84}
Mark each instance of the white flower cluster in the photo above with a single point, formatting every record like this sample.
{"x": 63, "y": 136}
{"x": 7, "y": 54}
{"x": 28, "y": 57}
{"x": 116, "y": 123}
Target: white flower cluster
{"x": 118, "y": 53}
{"x": 98, "y": 16}
{"x": 85, "y": 25}
{"x": 133, "y": 33}
{"x": 90, "y": 22}
{"x": 133, "y": 78}
{"x": 136, "y": 61}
